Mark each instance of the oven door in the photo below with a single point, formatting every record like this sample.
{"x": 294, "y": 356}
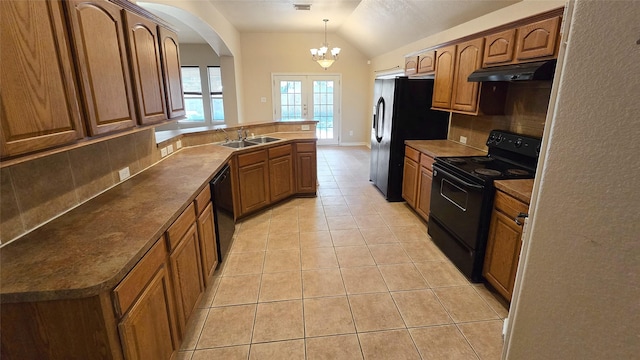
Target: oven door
{"x": 457, "y": 205}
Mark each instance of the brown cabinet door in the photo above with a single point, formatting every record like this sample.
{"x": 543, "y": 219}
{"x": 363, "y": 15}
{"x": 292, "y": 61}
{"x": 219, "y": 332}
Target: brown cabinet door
{"x": 442, "y": 88}
{"x": 208, "y": 245}
{"x": 424, "y": 192}
{"x": 468, "y": 59}
{"x": 503, "y": 253}
{"x": 410, "y": 181}
{"x": 499, "y": 48}
{"x": 306, "y": 172}
{"x": 281, "y": 177}
{"x": 101, "y": 57}
{"x": 253, "y": 182}
{"x": 410, "y": 65}
{"x": 538, "y": 40}
{"x": 170, "y": 55}
{"x": 427, "y": 62}
{"x": 186, "y": 272}
{"x": 149, "y": 331}
{"x": 38, "y": 106}
{"x": 144, "y": 55}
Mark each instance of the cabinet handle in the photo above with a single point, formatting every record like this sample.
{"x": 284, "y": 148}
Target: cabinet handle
{"x": 520, "y": 216}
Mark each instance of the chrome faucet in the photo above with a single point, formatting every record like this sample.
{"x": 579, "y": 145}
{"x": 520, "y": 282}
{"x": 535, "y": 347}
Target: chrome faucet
{"x": 226, "y": 136}
{"x": 240, "y": 134}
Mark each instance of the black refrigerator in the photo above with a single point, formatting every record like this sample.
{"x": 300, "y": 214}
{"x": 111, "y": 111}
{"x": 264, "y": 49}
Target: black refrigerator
{"x": 402, "y": 111}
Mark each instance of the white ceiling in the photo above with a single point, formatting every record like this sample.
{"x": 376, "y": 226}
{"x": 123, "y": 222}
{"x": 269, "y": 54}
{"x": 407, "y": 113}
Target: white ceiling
{"x": 372, "y": 26}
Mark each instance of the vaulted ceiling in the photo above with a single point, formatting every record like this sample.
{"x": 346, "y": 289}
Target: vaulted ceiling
{"x": 372, "y": 26}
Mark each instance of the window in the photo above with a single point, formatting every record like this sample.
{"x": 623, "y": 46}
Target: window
{"x": 192, "y": 85}
{"x": 215, "y": 89}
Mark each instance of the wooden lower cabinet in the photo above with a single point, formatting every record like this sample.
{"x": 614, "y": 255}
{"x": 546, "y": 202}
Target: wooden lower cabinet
{"x": 253, "y": 181}
{"x": 281, "y": 172}
{"x": 148, "y": 330}
{"x": 410, "y": 175}
{"x": 425, "y": 178}
{"x": 208, "y": 244}
{"x": 504, "y": 244}
{"x": 306, "y": 168}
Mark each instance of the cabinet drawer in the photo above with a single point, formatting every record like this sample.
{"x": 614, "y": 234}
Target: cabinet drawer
{"x": 412, "y": 154}
{"x": 278, "y": 151}
{"x": 125, "y": 294}
{"x": 252, "y": 158}
{"x": 509, "y": 205}
{"x": 426, "y": 161}
{"x": 180, "y": 226}
{"x": 306, "y": 147}
{"x": 203, "y": 199}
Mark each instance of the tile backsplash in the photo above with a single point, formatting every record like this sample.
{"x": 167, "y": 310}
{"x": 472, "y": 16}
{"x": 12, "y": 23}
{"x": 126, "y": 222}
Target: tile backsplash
{"x": 36, "y": 191}
{"x": 525, "y": 113}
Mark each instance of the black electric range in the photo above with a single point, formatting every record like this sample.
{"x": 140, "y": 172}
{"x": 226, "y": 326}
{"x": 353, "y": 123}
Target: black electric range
{"x": 462, "y": 196}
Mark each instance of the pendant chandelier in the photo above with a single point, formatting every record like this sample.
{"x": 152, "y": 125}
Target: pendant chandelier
{"x": 320, "y": 55}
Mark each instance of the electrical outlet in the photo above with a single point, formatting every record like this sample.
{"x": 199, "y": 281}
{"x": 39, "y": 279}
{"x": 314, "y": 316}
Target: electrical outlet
{"x": 124, "y": 173}
{"x": 350, "y": 132}
{"x": 304, "y": 127}
{"x": 169, "y": 149}
{"x": 463, "y": 139}
{"x": 163, "y": 152}
{"x": 178, "y": 144}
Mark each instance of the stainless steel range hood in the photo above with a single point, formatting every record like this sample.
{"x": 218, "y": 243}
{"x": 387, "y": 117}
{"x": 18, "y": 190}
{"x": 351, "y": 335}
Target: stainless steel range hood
{"x": 542, "y": 70}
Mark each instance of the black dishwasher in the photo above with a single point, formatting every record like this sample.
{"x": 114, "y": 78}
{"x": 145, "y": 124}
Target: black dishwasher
{"x": 223, "y": 210}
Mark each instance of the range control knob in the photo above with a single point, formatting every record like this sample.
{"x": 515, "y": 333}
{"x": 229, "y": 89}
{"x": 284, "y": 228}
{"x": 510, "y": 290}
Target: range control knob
{"x": 499, "y": 139}
{"x": 518, "y": 143}
{"x": 491, "y": 139}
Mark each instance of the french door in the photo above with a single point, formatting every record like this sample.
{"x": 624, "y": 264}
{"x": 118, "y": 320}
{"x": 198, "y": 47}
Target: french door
{"x": 309, "y": 97}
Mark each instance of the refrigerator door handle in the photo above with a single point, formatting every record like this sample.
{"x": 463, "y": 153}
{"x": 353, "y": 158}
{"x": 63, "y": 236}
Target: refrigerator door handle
{"x": 377, "y": 123}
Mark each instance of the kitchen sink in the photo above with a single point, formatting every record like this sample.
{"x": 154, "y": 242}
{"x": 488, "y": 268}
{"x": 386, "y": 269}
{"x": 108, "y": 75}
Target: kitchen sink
{"x": 262, "y": 140}
{"x": 238, "y": 144}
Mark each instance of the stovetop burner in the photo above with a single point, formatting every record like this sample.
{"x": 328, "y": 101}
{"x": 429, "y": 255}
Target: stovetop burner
{"x": 457, "y": 161}
{"x": 487, "y": 172}
{"x": 482, "y": 159}
{"x": 519, "y": 172}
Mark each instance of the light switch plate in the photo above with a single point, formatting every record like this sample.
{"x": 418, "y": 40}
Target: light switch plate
{"x": 169, "y": 149}
{"x": 178, "y": 144}
{"x": 163, "y": 152}
{"x": 304, "y": 127}
{"x": 124, "y": 173}
{"x": 463, "y": 139}
{"x": 263, "y": 99}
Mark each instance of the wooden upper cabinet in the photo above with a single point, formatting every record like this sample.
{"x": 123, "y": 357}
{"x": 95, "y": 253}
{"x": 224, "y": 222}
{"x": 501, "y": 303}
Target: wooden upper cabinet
{"x": 499, "y": 48}
{"x": 144, "y": 55}
{"x": 468, "y": 59}
{"x": 170, "y": 56}
{"x": 410, "y": 65}
{"x": 38, "y": 105}
{"x": 538, "y": 40}
{"x": 445, "y": 61}
{"x": 101, "y": 58}
{"x": 427, "y": 62}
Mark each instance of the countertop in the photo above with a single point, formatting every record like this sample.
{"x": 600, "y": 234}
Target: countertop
{"x": 435, "y": 148}
{"x": 92, "y": 247}
{"x": 519, "y": 189}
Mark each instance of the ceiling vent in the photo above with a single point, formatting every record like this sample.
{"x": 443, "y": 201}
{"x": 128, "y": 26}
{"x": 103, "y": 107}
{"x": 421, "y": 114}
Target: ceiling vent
{"x": 305, "y": 7}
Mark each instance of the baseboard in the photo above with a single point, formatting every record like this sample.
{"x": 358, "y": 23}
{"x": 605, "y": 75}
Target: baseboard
{"x": 353, "y": 144}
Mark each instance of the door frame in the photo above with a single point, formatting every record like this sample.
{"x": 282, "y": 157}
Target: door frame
{"x": 337, "y": 128}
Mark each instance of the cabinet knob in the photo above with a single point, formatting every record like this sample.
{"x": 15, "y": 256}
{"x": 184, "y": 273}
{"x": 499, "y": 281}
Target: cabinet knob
{"x": 520, "y": 216}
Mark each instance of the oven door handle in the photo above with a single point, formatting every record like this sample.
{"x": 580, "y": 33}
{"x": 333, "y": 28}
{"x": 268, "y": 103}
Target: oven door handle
{"x": 467, "y": 184}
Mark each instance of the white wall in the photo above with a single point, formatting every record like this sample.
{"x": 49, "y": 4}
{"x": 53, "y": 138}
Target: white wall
{"x": 267, "y": 53}
{"x": 577, "y": 292}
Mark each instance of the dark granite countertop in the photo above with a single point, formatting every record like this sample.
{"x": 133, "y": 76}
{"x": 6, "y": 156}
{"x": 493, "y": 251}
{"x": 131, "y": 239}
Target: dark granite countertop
{"x": 89, "y": 249}
{"x": 435, "y": 148}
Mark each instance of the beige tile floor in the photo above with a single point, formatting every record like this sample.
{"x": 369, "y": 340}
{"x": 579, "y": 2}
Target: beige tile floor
{"x": 345, "y": 275}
